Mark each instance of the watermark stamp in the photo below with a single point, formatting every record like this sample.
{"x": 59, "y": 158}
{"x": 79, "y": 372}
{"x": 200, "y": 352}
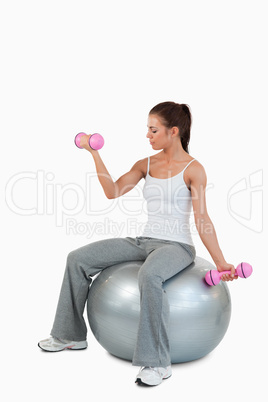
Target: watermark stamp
{"x": 245, "y": 201}
{"x": 43, "y": 195}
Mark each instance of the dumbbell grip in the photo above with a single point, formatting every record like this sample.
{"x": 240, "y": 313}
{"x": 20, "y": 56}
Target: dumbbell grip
{"x": 95, "y": 140}
{"x": 226, "y": 272}
{"x": 243, "y": 270}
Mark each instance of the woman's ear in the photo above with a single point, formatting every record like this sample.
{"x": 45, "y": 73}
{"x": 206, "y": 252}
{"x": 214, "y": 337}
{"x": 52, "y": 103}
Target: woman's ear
{"x": 175, "y": 131}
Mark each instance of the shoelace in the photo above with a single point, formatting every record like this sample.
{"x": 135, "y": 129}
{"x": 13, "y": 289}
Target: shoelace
{"x": 61, "y": 341}
{"x": 156, "y": 369}
{"x": 56, "y": 340}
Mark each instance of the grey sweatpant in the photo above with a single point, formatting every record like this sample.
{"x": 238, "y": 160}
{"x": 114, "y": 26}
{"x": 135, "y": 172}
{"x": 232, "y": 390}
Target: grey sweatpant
{"x": 162, "y": 260}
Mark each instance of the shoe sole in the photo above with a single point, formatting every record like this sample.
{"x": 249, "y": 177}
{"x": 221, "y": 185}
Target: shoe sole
{"x": 139, "y": 382}
{"x": 61, "y": 350}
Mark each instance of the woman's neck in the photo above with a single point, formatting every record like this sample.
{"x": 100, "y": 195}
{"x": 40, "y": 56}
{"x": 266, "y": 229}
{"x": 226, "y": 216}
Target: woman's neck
{"x": 174, "y": 152}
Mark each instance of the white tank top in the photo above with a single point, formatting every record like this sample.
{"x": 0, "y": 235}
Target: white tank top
{"x": 169, "y": 206}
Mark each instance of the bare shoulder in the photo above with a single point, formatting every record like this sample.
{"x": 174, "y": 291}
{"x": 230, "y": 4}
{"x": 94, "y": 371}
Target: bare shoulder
{"x": 195, "y": 173}
{"x": 196, "y": 168}
{"x": 141, "y": 166}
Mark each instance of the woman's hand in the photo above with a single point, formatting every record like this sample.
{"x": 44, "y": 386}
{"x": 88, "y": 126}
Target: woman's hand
{"x": 84, "y": 142}
{"x": 227, "y": 267}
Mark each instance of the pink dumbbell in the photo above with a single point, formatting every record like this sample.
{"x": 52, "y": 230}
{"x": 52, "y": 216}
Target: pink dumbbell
{"x": 243, "y": 270}
{"x": 95, "y": 141}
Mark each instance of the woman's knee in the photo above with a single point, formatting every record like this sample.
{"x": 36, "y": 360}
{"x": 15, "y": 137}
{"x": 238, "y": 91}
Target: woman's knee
{"x": 73, "y": 258}
{"x": 149, "y": 278}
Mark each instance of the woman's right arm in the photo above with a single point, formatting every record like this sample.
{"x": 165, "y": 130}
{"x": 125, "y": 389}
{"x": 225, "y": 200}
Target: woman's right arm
{"x": 125, "y": 183}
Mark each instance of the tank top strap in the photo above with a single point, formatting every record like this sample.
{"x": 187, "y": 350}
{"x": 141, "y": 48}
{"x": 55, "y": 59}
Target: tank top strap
{"x": 188, "y": 164}
{"x": 148, "y": 166}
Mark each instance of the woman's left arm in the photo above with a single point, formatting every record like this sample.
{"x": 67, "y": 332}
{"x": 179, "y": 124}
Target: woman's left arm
{"x": 204, "y": 225}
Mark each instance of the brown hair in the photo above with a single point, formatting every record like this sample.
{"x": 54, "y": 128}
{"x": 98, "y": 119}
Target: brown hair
{"x": 175, "y": 115}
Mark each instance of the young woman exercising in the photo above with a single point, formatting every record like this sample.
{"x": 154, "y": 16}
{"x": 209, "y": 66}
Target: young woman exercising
{"x": 174, "y": 182}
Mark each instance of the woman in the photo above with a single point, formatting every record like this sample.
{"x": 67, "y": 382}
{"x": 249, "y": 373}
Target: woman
{"x": 174, "y": 182}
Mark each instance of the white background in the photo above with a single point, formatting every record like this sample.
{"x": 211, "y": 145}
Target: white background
{"x": 100, "y": 66}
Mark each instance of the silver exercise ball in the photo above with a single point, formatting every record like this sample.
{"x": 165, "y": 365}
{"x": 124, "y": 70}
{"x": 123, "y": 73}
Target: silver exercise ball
{"x": 199, "y": 313}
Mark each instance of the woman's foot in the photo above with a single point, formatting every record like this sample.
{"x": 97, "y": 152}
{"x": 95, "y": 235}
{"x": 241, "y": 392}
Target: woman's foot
{"x": 53, "y": 344}
{"x": 153, "y": 375}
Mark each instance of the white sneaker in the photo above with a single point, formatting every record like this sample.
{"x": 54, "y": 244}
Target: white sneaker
{"x": 56, "y": 345}
{"x": 153, "y": 375}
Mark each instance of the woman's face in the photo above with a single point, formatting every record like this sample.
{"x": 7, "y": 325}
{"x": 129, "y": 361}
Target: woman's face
{"x": 159, "y": 135}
